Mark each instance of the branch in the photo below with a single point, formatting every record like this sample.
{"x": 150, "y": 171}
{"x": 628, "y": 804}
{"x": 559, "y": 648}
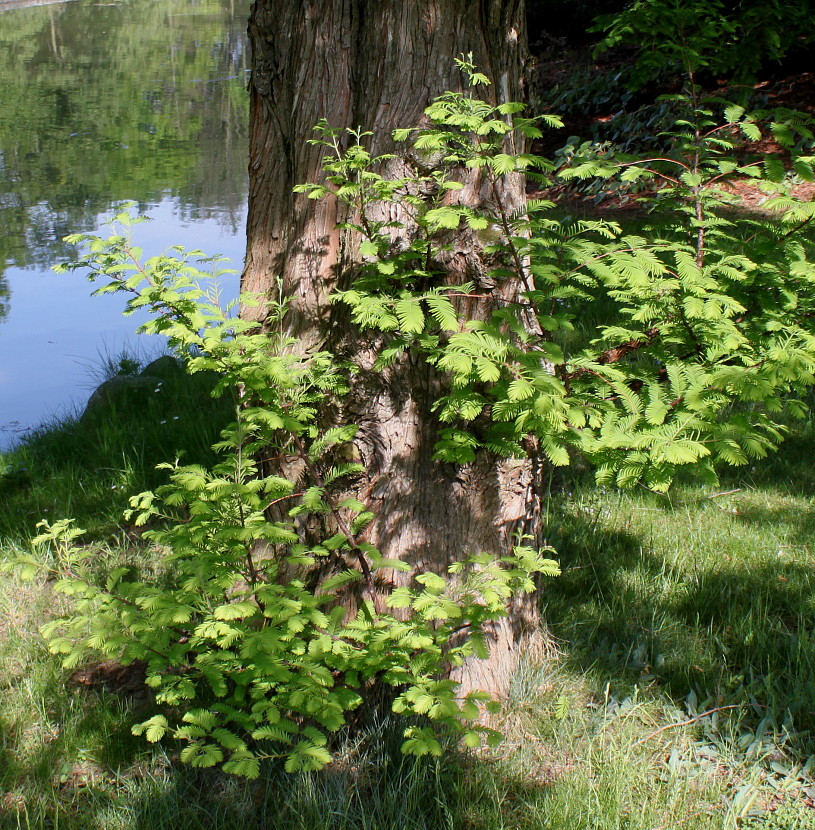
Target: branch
{"x": 685, "y": 722}
{"x": 656, "y": 158}
{"x": 341, "y": 523}
{"x": 613, "y": 355}
{"x": 616, "y": 353}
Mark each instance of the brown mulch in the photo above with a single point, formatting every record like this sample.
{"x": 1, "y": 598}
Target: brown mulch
{"x": 790, "y": 90}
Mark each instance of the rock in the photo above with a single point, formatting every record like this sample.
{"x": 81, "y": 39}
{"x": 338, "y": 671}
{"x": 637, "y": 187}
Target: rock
{"x": 165, "y": 367}
{"x": 119, "y": 388}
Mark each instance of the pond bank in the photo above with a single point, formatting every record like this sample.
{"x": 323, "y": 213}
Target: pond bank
{"x": 153, "y": 110}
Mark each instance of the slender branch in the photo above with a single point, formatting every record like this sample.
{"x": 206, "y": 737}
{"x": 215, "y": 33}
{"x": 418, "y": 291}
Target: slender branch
{"x": 685, "y": 722}
{"x": 616, "y": 353}
{"x": 519, "y": 266}
{"x": 725, "y": 493}
{"x": 273, "y": 502}
{"x": 742, "y": 167}
{"x": 656, "y": 158}
{"x": 128, "y": 250}
{"x": 663, "y": 176}
{"x": 797, "y": 228}
{"x": 341, "y": 523}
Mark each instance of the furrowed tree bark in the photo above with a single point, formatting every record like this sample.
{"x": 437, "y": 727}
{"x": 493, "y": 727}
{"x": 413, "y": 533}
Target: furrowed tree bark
{"x": 376, "y": 64}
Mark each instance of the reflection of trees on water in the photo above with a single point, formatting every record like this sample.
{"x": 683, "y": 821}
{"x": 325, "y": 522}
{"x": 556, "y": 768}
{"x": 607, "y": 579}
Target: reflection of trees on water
{"x": 5, "y": 297}
{"x": 100, "y": 104}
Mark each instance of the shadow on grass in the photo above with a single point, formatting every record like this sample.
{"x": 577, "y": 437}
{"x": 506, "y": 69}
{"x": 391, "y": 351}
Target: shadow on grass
{"x": 714, "y": 596}
{"x": 51, "y": 767}
{"x": 372, "y": 786}
{"x": 402, "y": 793}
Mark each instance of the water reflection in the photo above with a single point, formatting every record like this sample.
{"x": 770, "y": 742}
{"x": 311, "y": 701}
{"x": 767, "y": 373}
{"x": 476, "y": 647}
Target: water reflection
{"x": 105, "y": 102}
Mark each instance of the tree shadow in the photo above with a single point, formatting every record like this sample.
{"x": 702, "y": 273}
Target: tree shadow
{"x": 371, "y": 786}
{"x": 88, "y": 467}
{"x": 695, "y": 594}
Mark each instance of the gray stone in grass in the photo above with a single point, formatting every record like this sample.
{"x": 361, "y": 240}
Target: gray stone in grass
{"x": 165, "y": 367}
{"x": 117, "y": 389}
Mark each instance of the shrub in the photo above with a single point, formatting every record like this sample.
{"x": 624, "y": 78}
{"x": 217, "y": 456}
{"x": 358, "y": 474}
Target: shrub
{"x": 268, "y": 626}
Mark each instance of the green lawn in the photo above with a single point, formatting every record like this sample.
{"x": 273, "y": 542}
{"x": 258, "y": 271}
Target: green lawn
{"x": 668, "y": 607}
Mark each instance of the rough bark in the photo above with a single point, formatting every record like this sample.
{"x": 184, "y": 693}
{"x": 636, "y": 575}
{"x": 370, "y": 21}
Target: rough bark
{"x": 377, "y": 64}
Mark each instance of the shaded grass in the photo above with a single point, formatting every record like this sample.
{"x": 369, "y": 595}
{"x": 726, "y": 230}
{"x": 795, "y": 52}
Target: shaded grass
{"x": 88, "y": 466}
{"x": 703, "y": 593}
{"x": 667, "y": 608}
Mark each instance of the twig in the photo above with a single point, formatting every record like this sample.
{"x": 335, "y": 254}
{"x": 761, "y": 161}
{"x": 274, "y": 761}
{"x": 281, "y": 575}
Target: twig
{"x": 343, "y": 526}
{"x": 685, "y": 722}
{"x": 273, "y": 502}
{"x": 789, "y": 233}
{"x": 725, "y": 493}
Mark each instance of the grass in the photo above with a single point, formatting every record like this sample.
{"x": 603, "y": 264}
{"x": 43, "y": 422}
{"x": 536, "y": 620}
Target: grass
{"x": 668, "y": 608}
{"x": 88, "y": 466}
{"x": 704, "y": 594}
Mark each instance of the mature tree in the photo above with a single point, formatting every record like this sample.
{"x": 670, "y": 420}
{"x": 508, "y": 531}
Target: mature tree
{"x": 377, "y": 64}
{"x": 647, "y": 391}
{"x": 427, "y": 303}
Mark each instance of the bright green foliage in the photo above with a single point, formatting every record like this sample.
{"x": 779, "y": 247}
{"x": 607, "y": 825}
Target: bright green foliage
{"x": 248, "y": 640}
{"x": 704, "y": 310}
{"x": 703, "y": 333}
{"x": 714, "y": 307}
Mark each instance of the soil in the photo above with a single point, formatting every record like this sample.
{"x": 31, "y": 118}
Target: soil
{"x": 111, "y": 676}
{"x": 558, "y": 64}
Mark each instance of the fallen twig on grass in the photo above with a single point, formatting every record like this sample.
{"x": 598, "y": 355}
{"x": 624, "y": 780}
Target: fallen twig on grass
{"x": 685, "y": 722}
{"x": 725, "y": 493}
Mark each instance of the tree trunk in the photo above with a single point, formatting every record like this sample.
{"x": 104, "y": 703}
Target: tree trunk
{"x": 377, "y": 64}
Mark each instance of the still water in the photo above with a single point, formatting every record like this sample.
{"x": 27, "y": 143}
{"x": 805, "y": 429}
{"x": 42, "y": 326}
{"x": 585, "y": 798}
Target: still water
{"x": 102, "y": 103}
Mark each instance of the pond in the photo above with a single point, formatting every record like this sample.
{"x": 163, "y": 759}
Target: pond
{"x": 103, "y": 103}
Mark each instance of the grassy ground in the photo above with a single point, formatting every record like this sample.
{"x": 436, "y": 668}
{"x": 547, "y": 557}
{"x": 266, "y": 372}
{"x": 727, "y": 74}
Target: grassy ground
{"x": 668, "y": 609}
{"x": 88, "y": 466}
